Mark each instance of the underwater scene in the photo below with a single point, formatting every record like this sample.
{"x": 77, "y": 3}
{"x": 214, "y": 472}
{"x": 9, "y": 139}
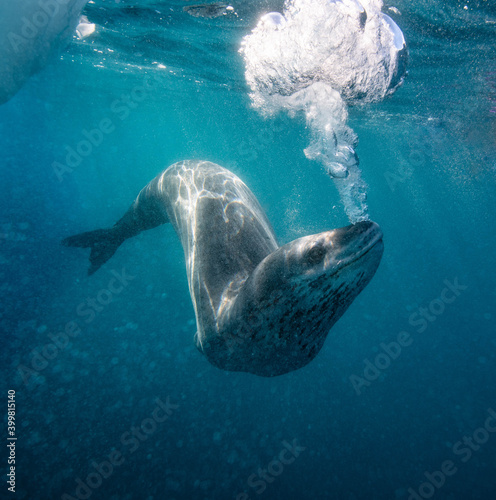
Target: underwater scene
{"x": 247, "y": 249}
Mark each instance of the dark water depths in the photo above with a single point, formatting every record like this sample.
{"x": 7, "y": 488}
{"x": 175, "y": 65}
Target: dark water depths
{"x": 428, "y": 155}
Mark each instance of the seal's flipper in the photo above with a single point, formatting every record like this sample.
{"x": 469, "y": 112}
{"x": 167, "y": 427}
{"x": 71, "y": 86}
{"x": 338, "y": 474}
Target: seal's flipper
{"x": 103, "y": 244}
{"x": 145, "y": 213}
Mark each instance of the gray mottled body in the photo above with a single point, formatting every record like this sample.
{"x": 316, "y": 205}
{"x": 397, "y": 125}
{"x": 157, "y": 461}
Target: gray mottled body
{"x": 259, "y": 308}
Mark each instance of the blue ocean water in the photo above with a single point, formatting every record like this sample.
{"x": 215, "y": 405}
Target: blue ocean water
{"x": 113, "y": 400}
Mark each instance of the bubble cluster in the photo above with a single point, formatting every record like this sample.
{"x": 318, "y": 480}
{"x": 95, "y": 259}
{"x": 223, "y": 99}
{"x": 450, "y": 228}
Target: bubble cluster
{"x": 316, "y": 58}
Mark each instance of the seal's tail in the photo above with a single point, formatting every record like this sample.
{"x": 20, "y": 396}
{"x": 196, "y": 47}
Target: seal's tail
{"x": 103, "y": 244}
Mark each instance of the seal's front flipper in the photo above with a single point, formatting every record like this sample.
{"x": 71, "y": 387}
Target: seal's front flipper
{"x": 103, "y": 244}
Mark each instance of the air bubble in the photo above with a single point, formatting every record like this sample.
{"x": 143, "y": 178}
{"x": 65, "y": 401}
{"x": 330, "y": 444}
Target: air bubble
{"x": 327, "y": 56}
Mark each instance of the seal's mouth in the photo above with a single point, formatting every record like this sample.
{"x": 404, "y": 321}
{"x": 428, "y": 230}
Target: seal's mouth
{"x": 353, "y": 243}
{"x": 376, "y": 247}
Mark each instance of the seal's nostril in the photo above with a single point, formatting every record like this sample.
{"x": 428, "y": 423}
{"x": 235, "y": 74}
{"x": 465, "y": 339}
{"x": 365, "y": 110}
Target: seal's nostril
{"x": 363, "y": 18}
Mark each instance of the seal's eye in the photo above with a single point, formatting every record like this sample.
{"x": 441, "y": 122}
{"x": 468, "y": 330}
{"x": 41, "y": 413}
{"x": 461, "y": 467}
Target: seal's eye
{"x": 315, "y": 255}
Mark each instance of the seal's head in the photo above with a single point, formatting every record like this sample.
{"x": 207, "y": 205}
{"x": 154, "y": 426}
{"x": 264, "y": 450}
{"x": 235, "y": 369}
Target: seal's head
{"x": 284, "y": 311}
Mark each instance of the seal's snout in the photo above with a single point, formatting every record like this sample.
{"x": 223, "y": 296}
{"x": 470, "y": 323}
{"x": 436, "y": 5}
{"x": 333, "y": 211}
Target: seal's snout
{"x": 353, "y": 241}
{"x": 368, "y": 231}
{"x": 365, "y": 230}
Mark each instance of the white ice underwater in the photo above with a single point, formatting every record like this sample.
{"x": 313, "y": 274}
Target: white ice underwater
{"x": 317, "y": 57}
{"x": 31, "y": 33}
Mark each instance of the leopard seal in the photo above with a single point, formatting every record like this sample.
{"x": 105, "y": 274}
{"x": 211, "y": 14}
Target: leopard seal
{"x": 260, "y": 307}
